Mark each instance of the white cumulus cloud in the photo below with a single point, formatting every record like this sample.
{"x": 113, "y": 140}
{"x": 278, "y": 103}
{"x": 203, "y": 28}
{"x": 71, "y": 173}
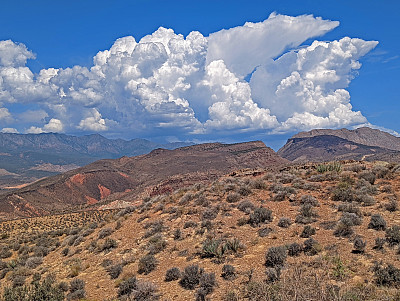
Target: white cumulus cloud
{"x": 9, "y": 131}
{"x": 166, "y": 84}
{"x": 305, "y": 89}
{"x": 245, "y": 47}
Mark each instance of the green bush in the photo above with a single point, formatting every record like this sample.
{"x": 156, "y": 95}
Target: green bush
{"x": 333, "y": 166}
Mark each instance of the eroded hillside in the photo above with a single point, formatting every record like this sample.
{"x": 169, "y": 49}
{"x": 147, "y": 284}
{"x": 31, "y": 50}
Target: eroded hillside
{"x": 311, "y": 232}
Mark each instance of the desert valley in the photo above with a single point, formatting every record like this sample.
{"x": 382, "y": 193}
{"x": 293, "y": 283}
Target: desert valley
{"x": 212, "y": 221}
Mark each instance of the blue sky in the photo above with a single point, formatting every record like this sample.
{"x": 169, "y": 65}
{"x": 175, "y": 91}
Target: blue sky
{"x": 63, "y": 34}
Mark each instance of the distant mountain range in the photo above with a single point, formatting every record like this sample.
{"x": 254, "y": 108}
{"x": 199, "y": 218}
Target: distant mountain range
{"x": 327, "y": 145}
{"x": 127, "y": 178}
{"x": 135, "y": 174}
{"x": 28, "y": 157}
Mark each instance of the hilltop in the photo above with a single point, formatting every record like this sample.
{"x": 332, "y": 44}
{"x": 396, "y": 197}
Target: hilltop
{"x": 326, "y": 145}
{"x": 127, "y": 178}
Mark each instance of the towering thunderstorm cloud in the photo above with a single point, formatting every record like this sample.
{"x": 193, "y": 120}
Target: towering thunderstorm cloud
{"x": 254, "y": 78}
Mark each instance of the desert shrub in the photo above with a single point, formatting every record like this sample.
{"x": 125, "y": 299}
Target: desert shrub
{"x": 76, "y": 290}
{"x": 74, "y": 231}
{"x": 79, "y": 240}
{"x": 87, "y": 232}
{"x": 386, "y": 188}
{"x": 33, "y": 262}
{"x": 343, "y": 229}
{"x": 108, "y": 245}
{"x": 246, "y": 206}
{"x": 284, "y": 222}
{"x": 154, "y": 228}
{"x": 189, "y": 224}
{"x": 126, "y": 287}
{"x": 234, "y": 245}
{"x": 379, "y": 243}
{"x": 356, "y": 167}
{"x": 311, "y": 247}
{"x": 18, "y": 280}
{"x": 294, "y": 249}
{"x": 23, "y": 250}
{"x": 365, "y": 187}
{"x": 307, "y": 214}
{"x": 275, "y": 257}
{"x": 273, "y": 274}
{"x": 258, "y": 184}
{"x": 359, "y": 245}
{"x": 177, "y": 234}
{"x": 172, "y": 274}
{"x": 144, "y": 291}
{"x": 282, "y": 192}
{"x": 244, "y": 190}
{"x": 69, "y": 240}
{"x": 210, "y": 213}
{"x": 333, "y": 166}
{"x": 75, "y": 266}
{"x": 202, "y": 201}
{"x": 377, "y": 222}
{"x": 365, "y": 199}
{"x": 392, "y": 205}
{"x": 301, "y": 184}
{"x": 259, "y": 216}
{"x": 277, "y": 187}
{"x": 233, "y": 197}
{"x": 213, "y": 247}
{"x": 343, "y": 193}
{"x": 207, "y": 283}
{"x": 386, "y": 275}
{"x": 105, "y": 232}
{"x": 393, "y": 235}
{"x": 263, "y": 232}
{"x": 190, "y": 277}
{"x": 106, "y": 263}
{"x": 367, "y": 176}
{"x": 307, "y": 231}
{"x": 15, "y": 246}
{"x": 186, "y": 198}
{"x": 350, "y": 219}
{"x": 228, "y": 272}
{"x": 147, "y": 264}
{"x": 45, "y": 290}
{"x": 118, "y": 224}
{"x": 3, "y": 265}
{"x": 350, "y": 208}
{"x": 309, "y": 199}
{"x": 115, "y": 270}
{"x": 207, "y": 224}
{"x": 279, "y": 197}
{"x": 285, "y": 177}
{"x": 5, "y": 252}
{"x": 319, "y": 178}
{"x": 380, "y": 171}
{"x": 41, "y": 251}
{"x": 156, "y": 244}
